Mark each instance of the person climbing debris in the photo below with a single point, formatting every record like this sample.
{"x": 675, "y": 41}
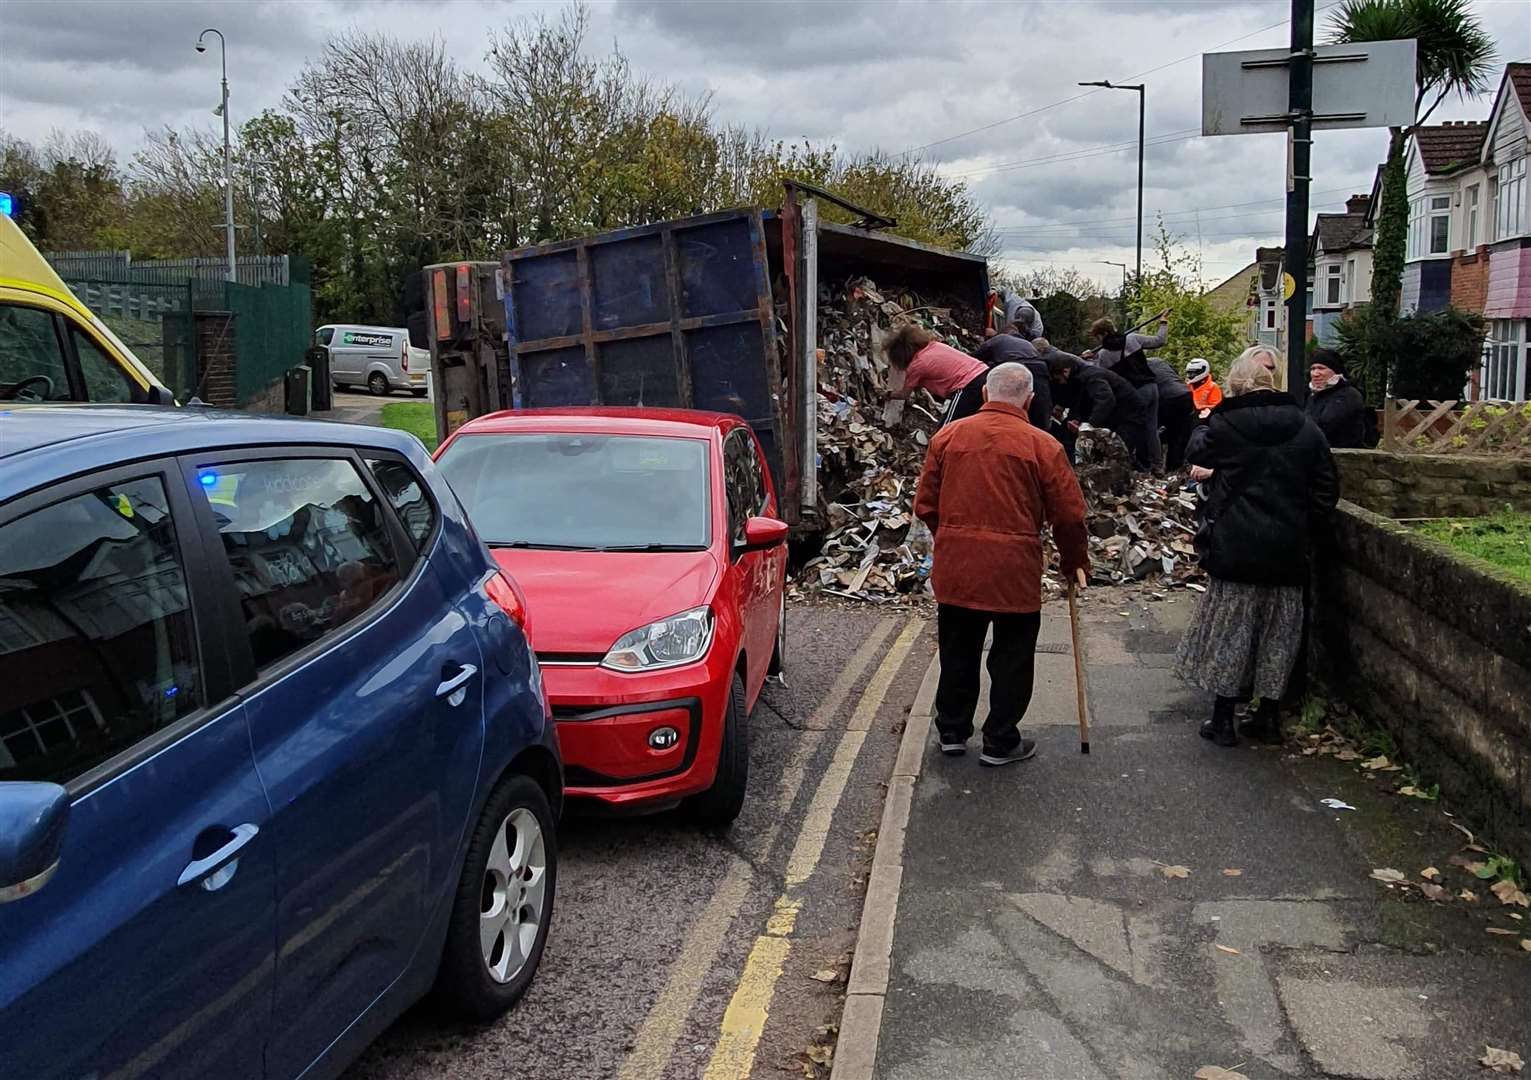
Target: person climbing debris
{"x": 931, "y": 364}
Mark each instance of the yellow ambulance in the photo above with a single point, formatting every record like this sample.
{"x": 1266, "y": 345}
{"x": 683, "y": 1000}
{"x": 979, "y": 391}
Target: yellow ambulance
{"x": 52, "y": 348}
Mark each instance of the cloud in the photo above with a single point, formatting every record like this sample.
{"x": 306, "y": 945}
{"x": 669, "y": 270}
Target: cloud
{"x": 863, "y": 74}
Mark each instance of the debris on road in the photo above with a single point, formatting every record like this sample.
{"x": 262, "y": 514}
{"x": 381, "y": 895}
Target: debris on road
{"x": 1501, "y": 1061}
{"x": 870, "y": 453}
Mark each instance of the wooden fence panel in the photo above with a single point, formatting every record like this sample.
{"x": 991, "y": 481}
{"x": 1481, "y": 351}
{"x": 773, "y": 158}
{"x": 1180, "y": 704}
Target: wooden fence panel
{"x": 1457, "y": 427}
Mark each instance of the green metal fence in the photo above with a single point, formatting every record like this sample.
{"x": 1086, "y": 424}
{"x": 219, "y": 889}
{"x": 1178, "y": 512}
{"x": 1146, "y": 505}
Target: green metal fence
{"x": 272, "y": 325}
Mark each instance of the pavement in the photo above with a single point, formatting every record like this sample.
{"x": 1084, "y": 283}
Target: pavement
{"x": 677, "y": 952}
{"x": 359, "y": 407}
{"x": 1044, "y": 929}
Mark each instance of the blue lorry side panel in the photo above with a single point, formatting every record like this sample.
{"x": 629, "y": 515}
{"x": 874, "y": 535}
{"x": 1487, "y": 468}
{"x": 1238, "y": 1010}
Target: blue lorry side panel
{"x": 674, "y": 314}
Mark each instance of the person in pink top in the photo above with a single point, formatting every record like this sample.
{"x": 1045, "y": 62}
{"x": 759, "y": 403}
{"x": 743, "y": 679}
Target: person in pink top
{"x": 947, "y": 373}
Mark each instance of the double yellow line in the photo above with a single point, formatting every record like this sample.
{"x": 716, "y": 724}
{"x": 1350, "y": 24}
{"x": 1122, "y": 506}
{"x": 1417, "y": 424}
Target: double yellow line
{"x": 745, "y": 1018}
{"x": 747, "y": 1010}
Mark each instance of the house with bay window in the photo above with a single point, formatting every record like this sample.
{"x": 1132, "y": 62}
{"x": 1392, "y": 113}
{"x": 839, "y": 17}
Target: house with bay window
{"x": 1340, "y": 252}
{"x": 1507, "y": 286}
{"x": 1444, "y": 164}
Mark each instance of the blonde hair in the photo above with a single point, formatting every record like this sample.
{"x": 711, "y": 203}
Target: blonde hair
{"x": 1247, "y": 373}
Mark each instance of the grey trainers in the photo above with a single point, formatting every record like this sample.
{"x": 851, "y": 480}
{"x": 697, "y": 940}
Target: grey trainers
{"x": 952, "y": 748}
{"x": 1024, "y": 752}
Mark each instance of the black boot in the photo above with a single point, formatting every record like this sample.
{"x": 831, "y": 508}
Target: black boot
{"x": 1263, "y": 724}
{"x": 1219, "y": 728}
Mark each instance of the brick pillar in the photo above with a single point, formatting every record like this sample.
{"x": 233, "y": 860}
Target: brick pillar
{"x": 216, "y": 357}
{"x": 1469, "y": 281}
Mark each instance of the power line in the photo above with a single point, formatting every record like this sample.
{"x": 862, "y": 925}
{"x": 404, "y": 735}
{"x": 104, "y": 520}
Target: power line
{"x": 1108, "y": 222}
{"x": 1087, "y": 93}
{"x": 1170, "y": 213}
{"x": 1084, "y": 151}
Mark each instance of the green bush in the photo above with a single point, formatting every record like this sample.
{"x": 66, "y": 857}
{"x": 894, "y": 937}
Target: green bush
{"x": 1427, "y": 356}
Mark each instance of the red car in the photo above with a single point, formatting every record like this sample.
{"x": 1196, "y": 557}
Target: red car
{"x": 653, "y": 564}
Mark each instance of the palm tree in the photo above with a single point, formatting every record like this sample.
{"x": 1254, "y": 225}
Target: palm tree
{"x": 1453, "y": 55}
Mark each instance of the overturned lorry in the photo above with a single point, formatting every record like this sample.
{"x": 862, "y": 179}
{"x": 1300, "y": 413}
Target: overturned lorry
{"x": 715, "y": 312}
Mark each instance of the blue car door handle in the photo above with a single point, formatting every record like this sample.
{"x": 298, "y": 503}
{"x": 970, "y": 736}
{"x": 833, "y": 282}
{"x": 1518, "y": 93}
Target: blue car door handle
{"x": 210, "y": 872}
{"x": 455, "y": 689}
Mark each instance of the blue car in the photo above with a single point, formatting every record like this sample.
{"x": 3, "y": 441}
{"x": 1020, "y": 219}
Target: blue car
{"x": 275, "y": 757}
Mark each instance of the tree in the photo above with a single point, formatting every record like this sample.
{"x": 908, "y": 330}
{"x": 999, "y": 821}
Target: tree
{"x": 1426, "y": 356}
{"x": 1454, "y": 56}
{"x": 1197, "y": 326}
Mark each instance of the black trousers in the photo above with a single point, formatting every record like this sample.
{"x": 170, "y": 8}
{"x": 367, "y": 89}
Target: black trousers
{"x": 1178, "y": 416}
{"x": 968, "y": 400}
{"x": 1012, "y": 663}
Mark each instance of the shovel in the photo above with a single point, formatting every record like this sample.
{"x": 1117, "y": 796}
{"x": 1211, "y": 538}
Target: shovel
{"x": 1081, "y": 695}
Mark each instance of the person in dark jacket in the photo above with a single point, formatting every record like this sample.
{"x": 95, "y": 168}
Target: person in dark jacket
{"x": 1333, "y": 404}
{"x": 1097, "y": 398}
{"x": 1177, "y": 412}
{"x": 1010, "y": 348}
{"x": 1271, "y": 483}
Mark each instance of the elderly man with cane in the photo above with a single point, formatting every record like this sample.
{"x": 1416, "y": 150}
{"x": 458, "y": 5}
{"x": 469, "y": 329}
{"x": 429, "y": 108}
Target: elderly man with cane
{"x": 990, "y": 483}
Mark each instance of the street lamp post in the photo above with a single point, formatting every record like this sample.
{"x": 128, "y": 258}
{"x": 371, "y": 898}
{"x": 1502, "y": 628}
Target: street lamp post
{"x": 1142, "y": 95}
{"x": 1108, "y": 262}
{"x": 228, "y": 167}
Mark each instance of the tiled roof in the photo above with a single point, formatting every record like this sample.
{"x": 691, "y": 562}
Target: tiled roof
{"x": 1337, "y": 232}
{"x": 1447, "y": 147}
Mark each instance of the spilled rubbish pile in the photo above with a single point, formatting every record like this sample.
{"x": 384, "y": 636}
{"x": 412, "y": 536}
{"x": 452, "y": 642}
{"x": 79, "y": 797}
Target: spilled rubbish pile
{"x": 870, "y": 452}
{"x": 1141, "y": 528}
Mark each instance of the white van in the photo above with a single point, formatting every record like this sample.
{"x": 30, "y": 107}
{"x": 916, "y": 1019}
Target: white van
{"x": 378, "y": 357}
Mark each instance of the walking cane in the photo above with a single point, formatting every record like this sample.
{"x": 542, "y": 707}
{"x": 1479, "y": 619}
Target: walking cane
{"x": 1081, "y": 696}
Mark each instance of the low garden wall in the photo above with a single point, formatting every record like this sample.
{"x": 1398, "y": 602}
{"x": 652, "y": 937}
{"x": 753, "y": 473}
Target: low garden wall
{"x": 1433, "y": 485}
{"x": 1434, "y": 646}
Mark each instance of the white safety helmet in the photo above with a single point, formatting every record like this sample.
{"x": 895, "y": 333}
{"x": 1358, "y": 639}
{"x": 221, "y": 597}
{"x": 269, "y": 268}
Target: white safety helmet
{"x": 1197, "y": 370}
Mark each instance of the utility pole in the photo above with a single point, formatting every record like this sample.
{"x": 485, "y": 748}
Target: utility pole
{"x": 1300, "y": 110}
{"x": 228, "y": 167}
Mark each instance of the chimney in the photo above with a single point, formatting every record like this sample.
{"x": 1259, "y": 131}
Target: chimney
{"x": 1357, "y": 204}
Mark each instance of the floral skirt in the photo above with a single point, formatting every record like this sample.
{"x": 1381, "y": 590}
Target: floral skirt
{"x": 1243, "y": 639}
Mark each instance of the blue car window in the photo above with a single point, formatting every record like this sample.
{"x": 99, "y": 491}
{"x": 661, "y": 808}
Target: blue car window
{"x": 407, "y": 494}
{"x": 97, "y": 645}
{"x": 308, "y": 545}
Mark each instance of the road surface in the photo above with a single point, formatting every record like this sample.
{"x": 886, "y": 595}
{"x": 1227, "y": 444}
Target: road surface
{"x": 670, "y": 943}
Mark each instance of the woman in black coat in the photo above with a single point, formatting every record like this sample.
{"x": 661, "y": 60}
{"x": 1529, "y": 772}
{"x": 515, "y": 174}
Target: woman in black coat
{"x": 1333, "y": 404}
{"x": 1271, "y": 481}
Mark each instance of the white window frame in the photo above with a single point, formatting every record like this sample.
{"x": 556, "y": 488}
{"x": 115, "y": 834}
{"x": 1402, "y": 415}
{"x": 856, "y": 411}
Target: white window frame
{"x": 1504, "y": 361}
{"x": 1270, "y": 315}
{"x": 1472, "y": 199}
{"x": 1333, "y": 285}
{"x": 1439, "y": 209}
{"x": 1350, "y": 280}
{"x": 1416, "y": 227}
{"x": 1510, "y": 199}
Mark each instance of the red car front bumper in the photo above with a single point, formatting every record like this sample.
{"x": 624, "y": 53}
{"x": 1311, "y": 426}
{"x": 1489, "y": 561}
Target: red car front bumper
{"x": 606, "y": 718}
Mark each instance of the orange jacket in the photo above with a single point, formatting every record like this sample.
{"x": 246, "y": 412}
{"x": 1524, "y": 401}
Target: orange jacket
{"x": 990, "y": 482}
{"x": 1207, "y": 394}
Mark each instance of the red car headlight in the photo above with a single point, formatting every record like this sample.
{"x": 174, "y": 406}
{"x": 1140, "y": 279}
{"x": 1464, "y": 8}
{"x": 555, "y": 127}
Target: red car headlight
{"x": 680, "y": 639}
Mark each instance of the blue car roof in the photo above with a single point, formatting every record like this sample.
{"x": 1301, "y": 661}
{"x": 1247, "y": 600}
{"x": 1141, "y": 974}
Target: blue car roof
{"x": 41, "y": 444}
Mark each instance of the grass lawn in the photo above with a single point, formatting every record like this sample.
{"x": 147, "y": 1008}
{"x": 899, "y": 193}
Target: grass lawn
{"x": 1503, "y": 539}
{"x": 414, "y": 417}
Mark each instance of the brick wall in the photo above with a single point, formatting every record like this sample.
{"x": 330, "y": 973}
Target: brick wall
{"x": 215, "y": 357}
{"x": 1469, "y": 280}
{"x": 1433, "y": 485}
{"x": 1434, "y": 649}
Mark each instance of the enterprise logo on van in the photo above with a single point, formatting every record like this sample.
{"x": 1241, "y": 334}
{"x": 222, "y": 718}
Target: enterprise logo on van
{"x": 376, "y": 341}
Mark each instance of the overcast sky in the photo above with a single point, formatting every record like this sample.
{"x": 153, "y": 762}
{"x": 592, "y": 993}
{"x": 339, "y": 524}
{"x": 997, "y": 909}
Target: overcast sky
{"x": 861, "y": 73}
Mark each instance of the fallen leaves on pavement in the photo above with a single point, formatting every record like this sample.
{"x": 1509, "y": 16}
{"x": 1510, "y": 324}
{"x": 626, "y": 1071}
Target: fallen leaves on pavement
{"x": 827, "y": 975}
{"x": 1230, "y": 950}
{"x": 1430, "y": 873}
{"x": 1232, "y": 872}
{"x": 1499, "y": 1061}
{"x": 1214, "y": 1072}
{"x": 1502, "y": 931}
{"x": 1509, "y": 893}
{"x": 1175, "y": 871}
{"x": 1434, "y": 892}
{"x": 1469, "y": 896}
{"x": 1388, "y": 876}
